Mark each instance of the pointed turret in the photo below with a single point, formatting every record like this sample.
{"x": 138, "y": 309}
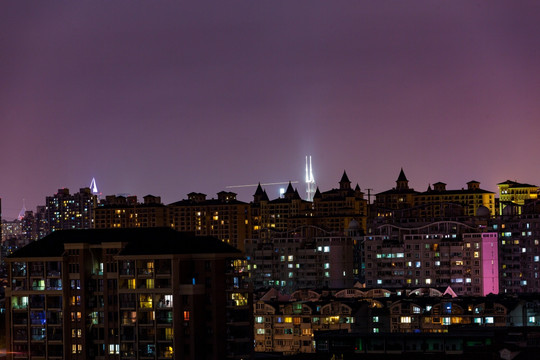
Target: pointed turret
{"x": 259, "y": 190}
{"x": 402, "y": 183}
{"x": 344, "y": 183}
{"x": 289, "y": 193}
{"x": 259, "y": 193}
{"x": 317, "y": 194}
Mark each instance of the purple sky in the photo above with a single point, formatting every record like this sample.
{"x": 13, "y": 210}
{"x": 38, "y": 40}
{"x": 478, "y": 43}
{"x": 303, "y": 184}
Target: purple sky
{"x": 168, "y": 97}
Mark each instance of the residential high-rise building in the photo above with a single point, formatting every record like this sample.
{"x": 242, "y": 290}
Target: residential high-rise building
{"x": 439, "y": 254}
{"x": 519, "y": 252}
{"x": 127, "y": 212}
{"x": 225, "y": 217}
{"x": 144, "y": 293}
{"x": 308, "y": 257}
{"x": 65, "y": 211}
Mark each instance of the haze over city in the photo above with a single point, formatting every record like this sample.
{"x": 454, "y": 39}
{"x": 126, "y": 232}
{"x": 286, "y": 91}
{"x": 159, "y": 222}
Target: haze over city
{"x": 166, "y": 98}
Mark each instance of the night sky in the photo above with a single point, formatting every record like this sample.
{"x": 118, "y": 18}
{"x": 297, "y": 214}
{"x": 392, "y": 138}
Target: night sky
{"x": 169, "y": 97}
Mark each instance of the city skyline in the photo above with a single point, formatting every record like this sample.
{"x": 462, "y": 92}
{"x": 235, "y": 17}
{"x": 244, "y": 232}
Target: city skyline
{"x": 165, "y": 98}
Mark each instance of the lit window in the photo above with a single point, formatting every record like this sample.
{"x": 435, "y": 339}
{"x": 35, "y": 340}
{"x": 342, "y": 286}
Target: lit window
{"x": 489, "y": 319}
{"x": 114, "y": 349}
{"x": 145, "y": 301}
{"x": 131, "y": 284}
{"x": 405, "y": 319}
{"x": 186, "y": 315}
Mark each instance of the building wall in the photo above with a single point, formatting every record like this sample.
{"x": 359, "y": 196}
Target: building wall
{"x": 95, "y": 303}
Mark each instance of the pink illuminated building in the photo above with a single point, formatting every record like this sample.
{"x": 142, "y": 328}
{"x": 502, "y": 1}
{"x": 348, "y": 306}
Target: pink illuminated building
{"x": 439, "y": 255}
{"x": 490, "y": 264}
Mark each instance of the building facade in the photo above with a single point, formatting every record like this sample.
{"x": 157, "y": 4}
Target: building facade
{"x": 225, "y": 217}
{"x": 307, "y": 258}
{"x": 128, "y": 294}
{"x": 435, "y": 203}
{"x": 127, "y": 212}
{"x": 64, "y": 211}
{"x": 439, "y": 254}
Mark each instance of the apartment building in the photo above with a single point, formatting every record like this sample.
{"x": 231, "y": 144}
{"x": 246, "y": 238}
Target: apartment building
{"x": 434, "y": 257}
{"x": 151, "y": 293}
{"x": 127, "y": 212}
{"x": 307, "y": 258}
{"x": 225, "y": 218}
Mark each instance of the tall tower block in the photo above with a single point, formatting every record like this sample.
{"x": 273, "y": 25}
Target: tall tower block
{"x": 310, "y": 180}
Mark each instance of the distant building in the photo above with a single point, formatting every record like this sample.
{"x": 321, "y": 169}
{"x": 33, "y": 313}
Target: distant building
{"x": 515, "y": 194}
{"x": 331, "y": 210}
{"x": 398, "y": 198}
{"x": 519, "y": 252}
{"x": 439, "y": 254}
{"x": 435, "y": 203}
{"x": 306, "y": 258}
{"x": 127, "y": 212}
{"x": 275, "y": 215}
{"x": 225, "y": 217}
{"x": 130, "y": 294}
{"x": 65, "y": 211}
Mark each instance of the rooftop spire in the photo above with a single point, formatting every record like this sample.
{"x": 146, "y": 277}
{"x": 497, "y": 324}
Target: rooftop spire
{"x": 344, "y": 183}
{"x": 402, "y": 182}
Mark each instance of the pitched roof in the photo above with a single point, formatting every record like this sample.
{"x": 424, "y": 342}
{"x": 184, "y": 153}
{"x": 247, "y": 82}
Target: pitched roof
{"x": 259, "y": 190}
{"x": 511, "y": 183}
{"x": 344, "y": 177}
{"x": 139, "y": 241}
{"x": 402, "y": 176}
{"x": 290, "y": 189}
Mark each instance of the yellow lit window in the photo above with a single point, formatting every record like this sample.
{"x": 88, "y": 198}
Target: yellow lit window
{"x": 145, "y": 301}
{"x": 186, "y": 315}
{"x": 296, "y": 320}
{"x": 476, "y": 254}
{"x": 168, "y": 352}
{"x": 169, "y": 333}
{"x": 131, "y": 284}
{"x": 149, "y": 283}
{"x": 239, "y": 299}
{"x": 288, "y": 319}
